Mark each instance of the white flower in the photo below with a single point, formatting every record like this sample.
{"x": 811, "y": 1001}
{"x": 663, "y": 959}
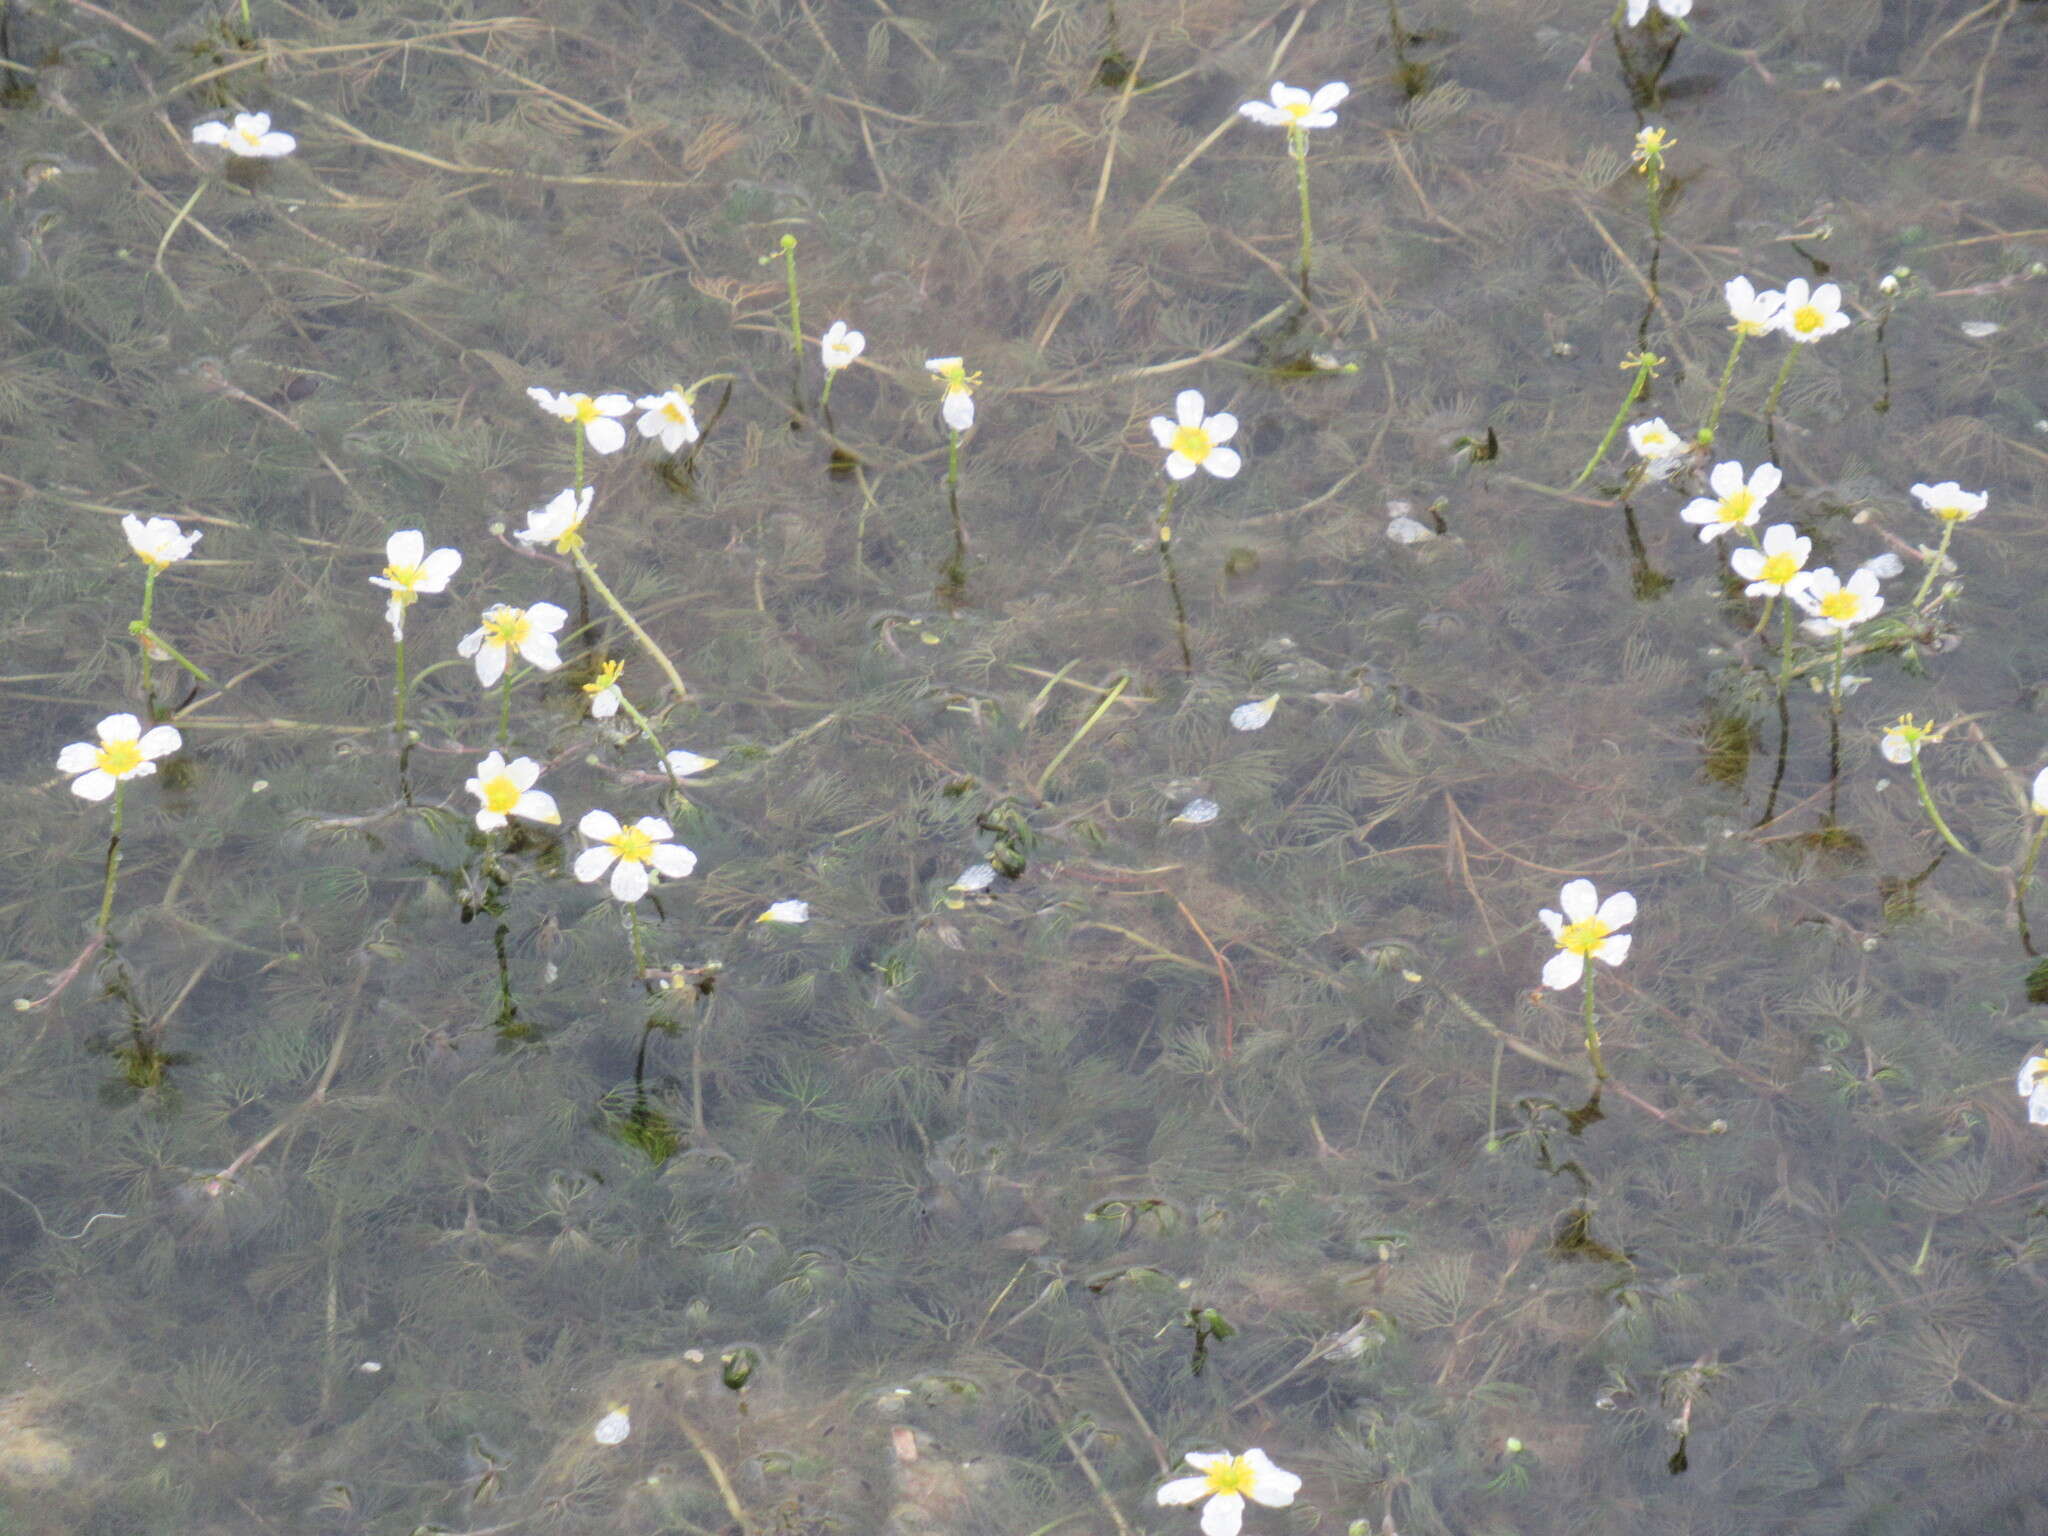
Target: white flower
{"x": 1293, "y": 109}
{"x": 2039, "y": 793}
{"x": 1194, "y": 441}
{"x": 594, "y": 416}
{"x": 1808, "y": 318}
{"x": 529, "y": 631}
{"x": 1736, "y": 502}
{"x": 1253, "y": 716}
{"x": 2033, "y": 1086}
{"x": 975, "y": 877}
{"x": 669, "y": 418}
{"x": 1226, "y": 1482}
{"x": 682, "y": 764}
{"x": 560, "y": 522}
{"x": 1901, "y": 743}
{"x": 1947, "y": 501}
{"x": 506, "y": 790}
{"x": 1587, "y": 926}
{"x": 629, "y": 853}
{"x": 1884, "y": 565}
{"x": 957, "y": 409}
{"x": 409, "y": 570}
{"x": 1198, "y": 813}
{"x": 1778, "y": 567}
{"x": 1638, "y": 9}
{"x": 252, "y": 136}
{"x": 613, "y": 1428}
{"x": 786, "y": 912}
{"x": 1652, "y": 439}
{"x": 159, "y": 542}
{"x": 125, "y": 751}
{"x": 603, "y": 689}
{"x": 1835, "y": 607}
{"x": 1754, "y": 313}
{"x": 839, "y": 346}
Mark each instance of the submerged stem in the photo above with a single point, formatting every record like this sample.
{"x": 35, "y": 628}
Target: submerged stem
{"x": 1936, "y": 564}
{"x": 647, "y": 644}
{"x": 1706, "y": 435}
{"x": 1644, "y": 364}
{"x": 1771, "y": 402}
{"x": 1592, "y": 1030}
{"x": 1297, "y": 146}
{"x": 113, "y": 858}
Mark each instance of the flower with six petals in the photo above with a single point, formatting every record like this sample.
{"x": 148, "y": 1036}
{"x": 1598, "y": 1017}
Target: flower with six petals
{"x": 1587, "y": 926}
{"x": 124, "y": 751}
{"x": 630, "y": 853}
{"x": 1193, "y": 441}
{"x": 506, "y": 790}
{"x": 1225, "y": 1483}
{"x": 505, "y": 629}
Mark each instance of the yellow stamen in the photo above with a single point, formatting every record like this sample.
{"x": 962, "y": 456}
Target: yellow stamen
{"x": 500, "y": 794}
{"x": 508, "y": 629}
{"x": 606, "y": 678}
{"x": 1191, "y": 443}
{"x": 1779, "y": 569}
{"x": 1584, "y": 936}
{"x": 1842, "y": 604}
{"x": 119, "y": 758}
{"x": 406, "y": 576}
{"x": 1807, "y": 317}
{"x": 633, "y": 846}
{"x": 1736, "y": 506}
{"x": 1232, "y": 1476}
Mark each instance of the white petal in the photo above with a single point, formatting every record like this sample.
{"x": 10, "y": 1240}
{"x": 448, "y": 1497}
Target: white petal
{"x": 81, "y": 755}
{"x": 1563, "y": 969}
{"x": 121, "y": 727}
{"x": 1327, "y": 96}
{"x": 1223, "y": 463}
{"x": 1187, "y": 406}
{"x": 437, "y": 568}
{"x": 548, "y": 617}
{"x": 1183, "y": 1490}
{"x": 1579, "y": 900}
{"x": 654, "y": 829}
{"x": 1554, "y": 921}
{"x": 1163, "y": 430}
{"x": 1254, "y": 715}
{"x": 159, "y": 741}
{"x": 1206, "y": 1459}
{"x": 591, "y": 863}
{"x": 2040, "y": 793}
{"x": 672, "y": 861}
{"x": 1614, "y": 949}
{"x": 1179, "y": 465}
{"x": 405, "y": 547}
{"x": 1221, "y": 427}
{"x": 2037, "y": 1104}
{"x": 612, "y": 404}
{"x": 1618, "y": 910}
{"x": 96, "y": 785}
{"x": 490, "y": 664}
{"x": 1701, "y": 509}
{"x": 1320, "y": 120}
{"x": 1223, "y": 1515}
{"x": 540, "y": 649}
{"x": 629, "y": 880}
{"x": 1272, "y": 1486}
{"x": 601, "y": 825}
{"x": 1266, "y": 115}
{"x": 537, "y": 805}
{"x": 1289, "y": 95}
{"x": 209, "y": 133}
{"x": 604, "y": 435}
{"x": 682, "y": 764}
{"x": 1746, "y": 562}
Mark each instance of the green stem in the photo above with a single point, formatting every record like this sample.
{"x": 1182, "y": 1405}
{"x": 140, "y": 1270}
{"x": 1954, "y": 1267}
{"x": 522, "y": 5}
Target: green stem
{"x": 248, "y": 26}
{"x": 1785, "y": 648}
{"x": 647, "y": 644}
{"x": 398, "y": 693}
{"x": 1180, "y": 610}
{"x": 1933, "y": 815}
{"x": 1297, "y": 146}
{"x": 577, "y": 428}
{"x": 1706, "y": 436}
{"x": 639, "y": 951}
{"x": 113, "y": 858}
{"x": 1935, "y": 565}
{"x": 654, "y": 741}
{"x": 2025, "y": 880}
{"x": 148, "y": 609}
{"x": 1074, "y": 741}
{"x": 956, "y": 571}
{"x": 825, "y": 397}
{"x": 1592, "y": 1030}
{"x": 1655, "y": 181}
{"x": 1635, "y": 389}
{"x": 505, "y": 708}
{"x": 796, "y": 323}
{"x": 1777, "y": 389}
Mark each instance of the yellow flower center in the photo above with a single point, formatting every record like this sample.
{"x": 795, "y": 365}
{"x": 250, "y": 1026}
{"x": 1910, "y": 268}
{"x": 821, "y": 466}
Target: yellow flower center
{"x": 1655, "y": 443}
{"x": 1584, "y": 936}
{"x": 1841, "y": 605}
{"x": 1950, "y": 514}
{"x": 607, "y": 678}
{"x": 500, "y": 794}
{"x": 119, "y": 758}
{"x": 633, "y": 846}
{"x": 1296, "y": 110}
{"x": 1737, "y": 505}
{"x": 508, "y": 628}
{"x": 583, "y": 408}
{"x": 249, "y": 137}
{"x": 406, "y": 577}
{"x": 669, "y": 410}
{"x": 1191, "y": 443}
{"x": 1806, "y": 318}
{"x": 1232, "y": 1476}
{"x": 1779, "y": 569}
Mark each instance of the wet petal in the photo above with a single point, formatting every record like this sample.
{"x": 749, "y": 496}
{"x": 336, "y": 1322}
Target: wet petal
{"x": 1563, "y": 969}
{"x": 1579, "y": 900}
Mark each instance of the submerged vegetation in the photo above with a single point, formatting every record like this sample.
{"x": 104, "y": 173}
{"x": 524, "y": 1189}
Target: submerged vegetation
{"x": 1077, "y": 1018}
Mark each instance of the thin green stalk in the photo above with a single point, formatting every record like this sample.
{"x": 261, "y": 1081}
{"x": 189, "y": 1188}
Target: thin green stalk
{"x": 1180, "y": 610}
{"x": 505, "y": 708}
{"x": 398, "y": 692}
{"x": 956, "y": 571}
{"x": 1777, "y": 389}
{"x": 113, "y": 858}
{"x": 1645, "y": 366}
{"x": 1706, "y": 435}
{"x": 2026, "y": 880}
{"x": 1297, "y": 146}
{"x": 1936, "y": 565}
{"x": 796, "y": 309}
{"x": 1785, "y": 650}
{"x": 1941, "y": 826}
{"x": 825, "y": 396}
{"x": 248, "y": 26}
{"x": 1592, "y": 1030}
{"x": 1074, "y": 741}
{"x": 639, "y": 950}
{"x": 647, "y": 644}
{"x": 148, "y": 609}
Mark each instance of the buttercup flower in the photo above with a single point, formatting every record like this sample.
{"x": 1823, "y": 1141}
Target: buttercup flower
{"x": 506, "y": 790}
{"x": 1226, "y": 1482}
{"x": 1661, "y": 449}
{"x": 1253, "y": 716}
{"x": 1901, "y": 743}
{"x": 1651, "y": 143}
{"x": 613, "y": 1428}
{"x": 1947, "y": 501}
{"x": 125, "y": 751}
{"x": 529, "y": 631}
{"x": 839, "y": 346}
{"x": 1293, "y": 108}
{"x": 1836, "y": 607}
{"x": 1808, "y": 317}
{"x": 786, "y": 912}
{"x": 158, "y": 543}
{"x": 594, "y": 415}
{"x": 1587, "y": 926}
{"x": 1736, "y": 502}
{"x": 2033, "y": 1086}
{"x": 629, "y": 853}
{"x": 1778, "y": 567}
{"x": 560, "y": 522}
{"x": 1754, "y": 313}
{"x": 957, "y": 409}
{"x": 1675, "y": 9}
{"x": 682, "y": 764}
{"x": 669, "y": 418}
{"x": 604, "y": 690}
{"x": 1193, "y": 441}
{"x": 251, "y": 136}
{"x": 409, "y": 570}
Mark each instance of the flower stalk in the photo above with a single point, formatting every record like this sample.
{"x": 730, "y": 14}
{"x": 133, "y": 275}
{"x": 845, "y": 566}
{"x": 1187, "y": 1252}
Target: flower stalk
{"x": 588, "y": 571}
{"x": 1645, "y": 363}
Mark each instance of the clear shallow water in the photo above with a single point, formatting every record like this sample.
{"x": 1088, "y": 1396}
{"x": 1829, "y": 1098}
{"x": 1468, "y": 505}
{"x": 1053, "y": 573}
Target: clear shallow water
{"x": 957, "y": 1173}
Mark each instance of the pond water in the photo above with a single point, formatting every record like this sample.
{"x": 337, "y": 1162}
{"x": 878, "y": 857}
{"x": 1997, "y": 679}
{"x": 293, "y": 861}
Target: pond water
{"x": 368, "y": 1171}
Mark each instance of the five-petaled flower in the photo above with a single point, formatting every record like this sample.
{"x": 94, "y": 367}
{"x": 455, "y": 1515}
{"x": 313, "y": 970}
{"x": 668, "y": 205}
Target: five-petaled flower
{"x": 1950, "y": 502}
{"x": 560, "y": 522}
{"x": 409, "y": 570}
{"x": 529, "y": 631}
{"x": 506, "y": 790}
{"x": 251, "y": 136}
{"x": 2033, "y": 1086}
{"x": 669, "y": 418}
{"x": 1736, "y": 502}
{"x": 592, "y": 414}
{"x": 840, "y": 346}
{"x": 158, "y": 543}
{"x": 630, "y": 853}
{"x": 1778, "y": 568}
{"x": 1677, "y": 10}
{"x": 604, "y": 690}
{"x": 124, "y": 751}
{"x": 1587, "y": 926}
{"x": 1835, "y": 607}
{"x": 1753, "y": 313}
{"x": 1226, "y": 1481}
{"x": 1193, "y": 441}
{"x": 957, "y": 408}
{"x": 1807, "y": 317}
{"x": 1295, "y": 109}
